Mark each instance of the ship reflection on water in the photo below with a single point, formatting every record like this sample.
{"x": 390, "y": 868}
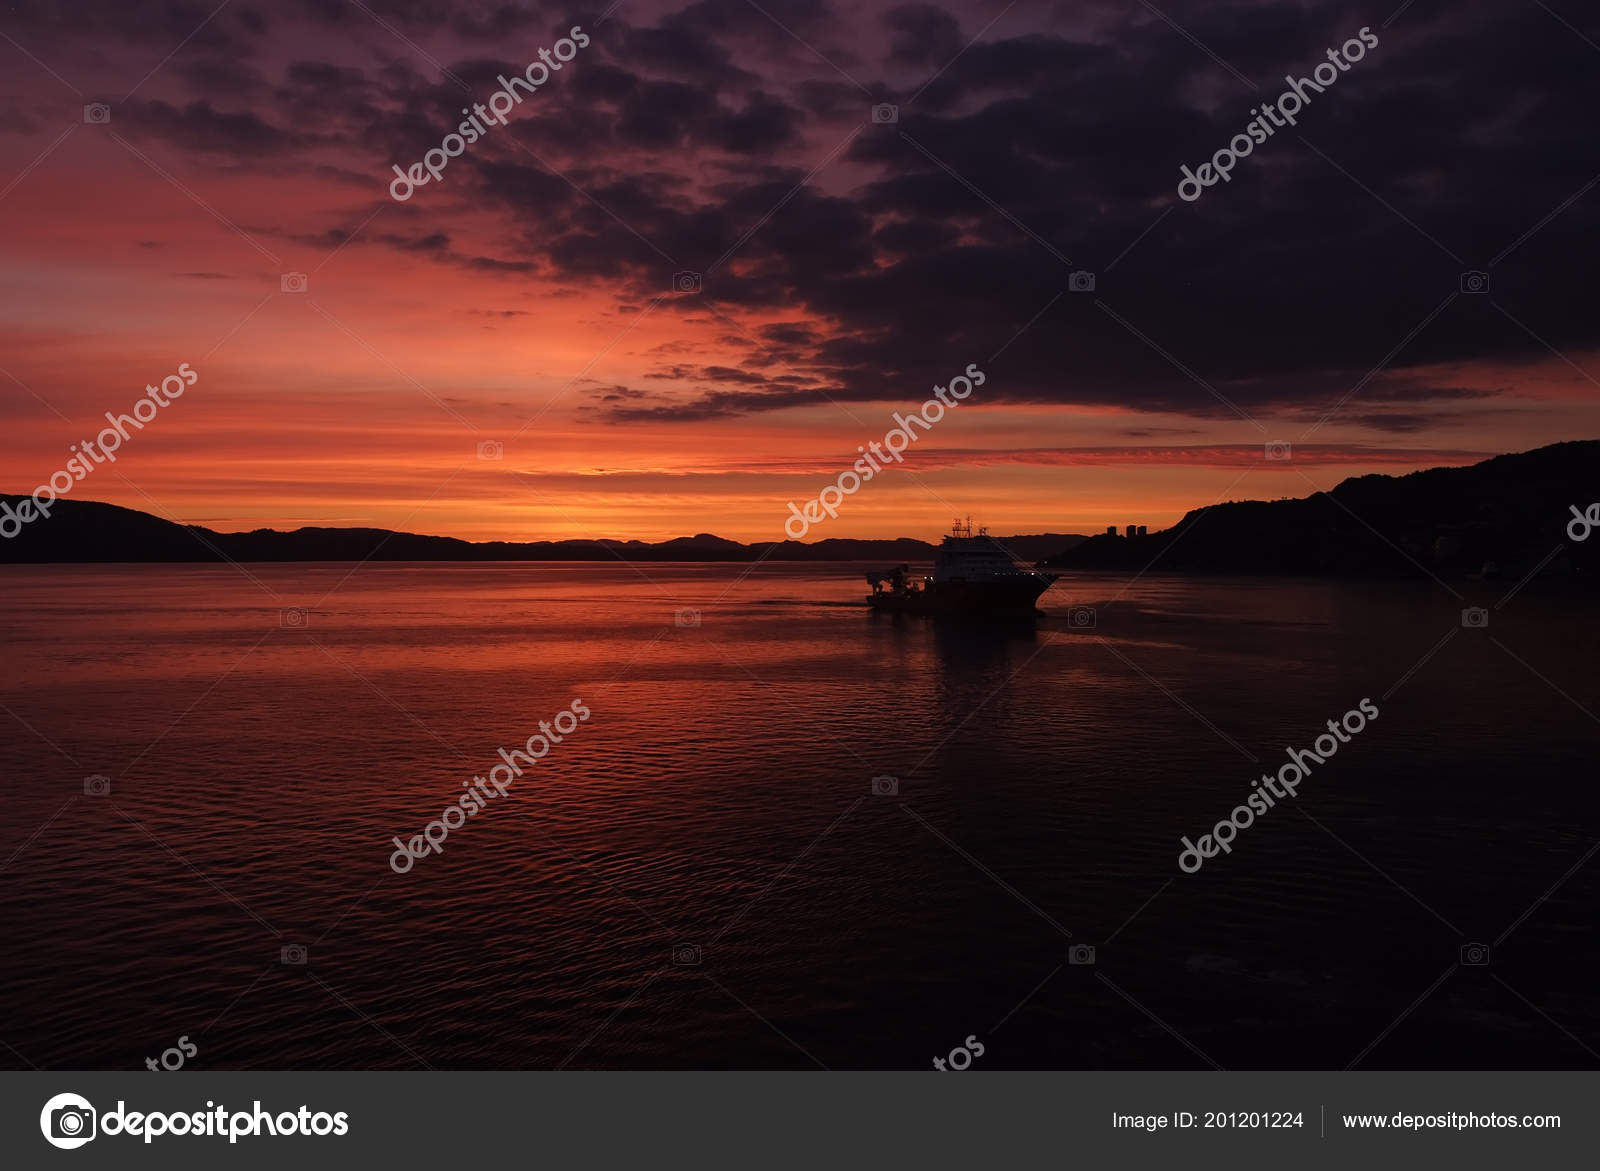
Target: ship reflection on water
{"x": 971, "y": 661}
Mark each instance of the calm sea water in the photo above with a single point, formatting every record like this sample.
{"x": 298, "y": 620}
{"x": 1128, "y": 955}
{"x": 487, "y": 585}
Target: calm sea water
{"x": 702, "y": 875}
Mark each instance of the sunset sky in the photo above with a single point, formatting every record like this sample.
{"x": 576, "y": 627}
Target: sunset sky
{"x": 846, "y": 266}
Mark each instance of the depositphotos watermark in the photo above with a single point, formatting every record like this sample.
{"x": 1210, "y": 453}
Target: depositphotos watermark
{"x": 69, "y": 1121}
{"x": 184, "y": 1048}
{"x": 1270, "y": 115}
{"x": 961, "y": 1056}
{"x": 900, "y": 437}
{"x": 492, "y": 113}
{"x": 480, "y": 791}
{"x": 1583, "y": 523}
{"x": 110, "y": 439}
{"x": 1279, "y": 786}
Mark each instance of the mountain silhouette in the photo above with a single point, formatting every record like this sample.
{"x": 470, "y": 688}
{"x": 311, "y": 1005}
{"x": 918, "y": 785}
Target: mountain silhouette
{"x": 1509, "y": 513}
{"x": 89, "y": 531}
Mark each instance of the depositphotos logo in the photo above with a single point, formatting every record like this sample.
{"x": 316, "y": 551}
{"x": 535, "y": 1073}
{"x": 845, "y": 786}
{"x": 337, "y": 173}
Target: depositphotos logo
{"x": 68, "y": 1121}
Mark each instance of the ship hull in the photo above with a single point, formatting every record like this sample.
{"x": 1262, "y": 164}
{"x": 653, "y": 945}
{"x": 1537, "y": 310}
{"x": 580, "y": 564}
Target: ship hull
{"x": 974, "y": 598}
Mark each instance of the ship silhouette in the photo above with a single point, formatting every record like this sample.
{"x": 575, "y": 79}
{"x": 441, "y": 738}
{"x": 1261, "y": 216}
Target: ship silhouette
{"x": 972, "y": 574}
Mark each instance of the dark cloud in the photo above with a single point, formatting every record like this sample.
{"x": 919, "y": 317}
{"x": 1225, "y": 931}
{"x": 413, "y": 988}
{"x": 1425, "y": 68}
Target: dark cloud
{"x": 728, "y": 374}
{"x": 765, "y": 126}
{"x": 733, "y": 142}
{"x": 661, "y": 114}
{"x": 719, "y": 404}
{"x": 16, "y": 119}
{"x": 199, "y": 126}
{"x": 679, "y": 48}
{"x": 432, "y": 242}
{"x": 915, "y": 235}
{"x": 220, "y": 78}
{"x": 924, "y": 35}
{"x": 790, "y": 333}
{"x": 1395, "y": 422}
{"x": 1289, "y": 283}
{"x": 494, "y": 21}
{"x": 113, "y": 23}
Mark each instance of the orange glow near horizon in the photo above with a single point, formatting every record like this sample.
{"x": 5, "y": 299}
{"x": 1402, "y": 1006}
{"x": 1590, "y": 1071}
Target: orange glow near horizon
{"x": 363, "y": 401}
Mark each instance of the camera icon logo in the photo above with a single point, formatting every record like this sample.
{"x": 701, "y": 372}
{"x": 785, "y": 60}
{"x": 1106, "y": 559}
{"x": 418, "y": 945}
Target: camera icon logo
{"x": 686, "y": 618}
{"x": 293, "y": 954}
{"x": 685, "y": 282}
{"x": 883, "y": 114}
{"x": 96, "y": 114}
{"x": 1475, "y": 955}
{"x": 491, "y": 449}
{"x": 1080, "y": 953}
{"x": 296, "y": 617}
{"x": 1475, "y": 618}
{"x": 885, "y": 786}
{"x": 1279, "y": 451}
{"x": 293, "y": 282}
{"x": 1081, "y": 282}
{"x": 686, "y": 955}
{"x": 1081, "y": 618}
{"x": 67, "y": 1121}
{"x": 96, "y": 786}
{"x": 1474, "y": 282}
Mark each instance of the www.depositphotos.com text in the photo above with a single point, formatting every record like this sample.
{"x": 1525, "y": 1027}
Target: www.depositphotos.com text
{"x": 480, "y": 791}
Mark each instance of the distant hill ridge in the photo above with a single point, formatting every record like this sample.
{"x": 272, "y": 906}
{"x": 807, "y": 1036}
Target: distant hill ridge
{"x": 1511, "y": 511}
{"x": 89, "y": 531}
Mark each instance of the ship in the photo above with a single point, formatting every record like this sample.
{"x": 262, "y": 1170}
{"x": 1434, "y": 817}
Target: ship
{"x": 972, "y": 574}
